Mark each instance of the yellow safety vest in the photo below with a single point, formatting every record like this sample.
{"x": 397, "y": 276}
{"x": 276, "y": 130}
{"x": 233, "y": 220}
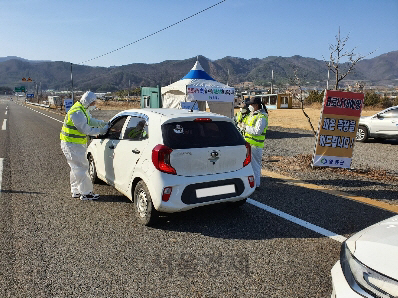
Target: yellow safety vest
{"x": 256, "y": 140}
{"x": 239, "y": 117}
{"x": 69, "y": 132}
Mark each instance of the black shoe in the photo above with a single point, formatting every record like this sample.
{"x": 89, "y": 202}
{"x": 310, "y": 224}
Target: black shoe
{"x": 89, "y": 196}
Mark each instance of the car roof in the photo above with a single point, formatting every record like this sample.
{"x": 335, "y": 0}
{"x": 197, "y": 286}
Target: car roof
{"x": 168, "y": 114}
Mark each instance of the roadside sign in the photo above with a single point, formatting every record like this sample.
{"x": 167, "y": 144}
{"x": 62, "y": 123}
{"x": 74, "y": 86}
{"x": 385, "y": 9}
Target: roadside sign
{"x": 337, "y": 130}
{"x": 20, "y": 89}
{"x": 68, "y": 103}
{"x": 30, "y": 95}
{"x": 188, "y": 105}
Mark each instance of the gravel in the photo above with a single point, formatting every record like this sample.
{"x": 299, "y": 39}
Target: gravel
{"x": 373, "y": 173}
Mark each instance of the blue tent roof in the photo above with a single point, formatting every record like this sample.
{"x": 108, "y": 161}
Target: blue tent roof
{"x": 197, "y": 72}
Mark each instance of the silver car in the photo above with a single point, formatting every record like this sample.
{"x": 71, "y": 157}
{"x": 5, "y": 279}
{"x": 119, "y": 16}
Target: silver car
{"x": 381, "y": 125}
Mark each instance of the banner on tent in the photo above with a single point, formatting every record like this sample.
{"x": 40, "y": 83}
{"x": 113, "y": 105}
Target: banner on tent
{"x": 210, "y": 93}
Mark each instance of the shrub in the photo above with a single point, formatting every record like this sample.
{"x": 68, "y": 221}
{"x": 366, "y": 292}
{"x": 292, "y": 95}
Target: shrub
{"x": 371, "y": 99}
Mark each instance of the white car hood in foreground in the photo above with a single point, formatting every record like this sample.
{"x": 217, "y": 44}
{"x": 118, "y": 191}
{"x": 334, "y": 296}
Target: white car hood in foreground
{"x": 377, "y": 247}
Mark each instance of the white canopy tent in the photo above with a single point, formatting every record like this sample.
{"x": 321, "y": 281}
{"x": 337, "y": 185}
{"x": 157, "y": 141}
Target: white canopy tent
{"x": 198, "y": 86}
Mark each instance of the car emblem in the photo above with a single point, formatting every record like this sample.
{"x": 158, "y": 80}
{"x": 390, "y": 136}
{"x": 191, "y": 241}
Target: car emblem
{"x": 214, "y": 154}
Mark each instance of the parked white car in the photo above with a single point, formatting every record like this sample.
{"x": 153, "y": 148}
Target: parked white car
{"x": 169, "y": 160}
{"x": 381, "y": 125}
{"x": 368, "y": 265}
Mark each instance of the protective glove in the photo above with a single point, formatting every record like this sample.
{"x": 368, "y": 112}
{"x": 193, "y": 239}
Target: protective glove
{"x": 104, "y": 130}
{"x": 241, "y": 125}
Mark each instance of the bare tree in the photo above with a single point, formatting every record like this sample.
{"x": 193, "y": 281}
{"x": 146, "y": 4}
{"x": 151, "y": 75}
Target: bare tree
{"x": 299, "y": 95}
{"x": 337, "y": 54}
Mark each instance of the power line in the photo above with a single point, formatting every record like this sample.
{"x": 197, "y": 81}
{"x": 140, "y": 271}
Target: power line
{"x": 154, "y": 32}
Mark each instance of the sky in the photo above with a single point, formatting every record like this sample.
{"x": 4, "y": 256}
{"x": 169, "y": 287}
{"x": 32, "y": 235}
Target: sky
{"x": 78, "y": 31}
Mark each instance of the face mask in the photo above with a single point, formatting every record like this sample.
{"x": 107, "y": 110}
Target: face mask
{"x": 91, "y": 108}
{"x": 251, "y": 108}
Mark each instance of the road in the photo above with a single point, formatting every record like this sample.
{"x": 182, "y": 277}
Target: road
{"x": 54, "y": 246}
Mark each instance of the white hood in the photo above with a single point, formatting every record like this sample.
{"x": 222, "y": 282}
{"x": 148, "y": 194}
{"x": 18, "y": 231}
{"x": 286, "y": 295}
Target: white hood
{"x": 88, "y": 98}
{"x": 377, "y": 247}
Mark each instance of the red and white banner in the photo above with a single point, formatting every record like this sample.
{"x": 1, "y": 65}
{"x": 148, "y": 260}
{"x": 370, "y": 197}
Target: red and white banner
{"x": 337, "y": 130}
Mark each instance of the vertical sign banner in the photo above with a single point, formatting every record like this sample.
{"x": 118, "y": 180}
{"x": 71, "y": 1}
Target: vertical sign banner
{"x": 337, "y": 130}
{"x": 68, "y": 103}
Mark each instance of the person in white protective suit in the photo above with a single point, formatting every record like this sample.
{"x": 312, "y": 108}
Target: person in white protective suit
{"x": 79, "y": 124}
{"x": 255, "y": 127}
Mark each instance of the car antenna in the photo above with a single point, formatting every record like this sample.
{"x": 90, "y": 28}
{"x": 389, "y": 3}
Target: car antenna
{"x": 196, "y": 101}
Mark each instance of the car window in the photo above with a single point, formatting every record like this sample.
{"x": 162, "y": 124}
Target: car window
{"x": 190, "y": 134}
{"x": 137, "y": 129}
{"x": 390, "y": 114}
{"x": 116, "y": 128}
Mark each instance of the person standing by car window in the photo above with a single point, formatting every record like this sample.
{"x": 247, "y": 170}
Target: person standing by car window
{"x": 79, "y": 124}
{"x": 255, "y": 127}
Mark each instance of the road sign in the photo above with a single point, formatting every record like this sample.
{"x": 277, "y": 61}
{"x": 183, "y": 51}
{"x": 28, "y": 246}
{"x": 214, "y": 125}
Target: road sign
{"x": 20, "y": 89}
{"x": 30, "y": 95}
{"x": 68, "y": 103}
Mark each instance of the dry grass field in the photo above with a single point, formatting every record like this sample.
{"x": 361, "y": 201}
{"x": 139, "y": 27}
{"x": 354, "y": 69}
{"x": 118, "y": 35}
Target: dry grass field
{"x": 288, "y": 118}
{"x": 294, "y": 118}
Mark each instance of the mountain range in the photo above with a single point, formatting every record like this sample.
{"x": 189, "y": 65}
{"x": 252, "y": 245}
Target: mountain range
{"x": 381, "y": 70}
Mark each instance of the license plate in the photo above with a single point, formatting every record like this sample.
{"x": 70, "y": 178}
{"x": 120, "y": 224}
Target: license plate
{"x": 214, "y": 191}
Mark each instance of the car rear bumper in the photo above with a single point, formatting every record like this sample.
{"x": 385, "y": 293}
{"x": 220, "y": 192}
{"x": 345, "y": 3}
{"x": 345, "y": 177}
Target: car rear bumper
{"x": 190, "y": 192}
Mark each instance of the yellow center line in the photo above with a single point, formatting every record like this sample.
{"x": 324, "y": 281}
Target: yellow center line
{"x": 297, "y": 182}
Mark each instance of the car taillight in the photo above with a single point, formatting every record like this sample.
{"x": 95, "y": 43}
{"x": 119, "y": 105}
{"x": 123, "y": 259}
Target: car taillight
{"x": 251, "y": 181}
{"x": 166, "y": 193}
{"x": 161, "y": 159}
{"x": 202, "y": 120}
{"x": 248, "y": 158}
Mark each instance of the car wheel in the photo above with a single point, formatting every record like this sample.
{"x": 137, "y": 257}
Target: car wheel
{"x": 362, "y": 134}
{"x": 145, "y": 213}
{"x": 237, "y": 204}
{"x": 92, "y": 171}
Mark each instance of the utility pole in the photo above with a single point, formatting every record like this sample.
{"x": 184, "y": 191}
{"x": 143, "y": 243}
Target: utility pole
{"x": 71, "y": 79}
{"x": 272, "y": 82}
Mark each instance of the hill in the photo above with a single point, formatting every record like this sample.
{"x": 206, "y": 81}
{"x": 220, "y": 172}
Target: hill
{"x": 381, "y": 70}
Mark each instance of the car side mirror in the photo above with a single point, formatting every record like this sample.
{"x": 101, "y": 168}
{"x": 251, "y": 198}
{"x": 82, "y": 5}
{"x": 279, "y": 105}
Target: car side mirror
{"x": 379, "y": 116}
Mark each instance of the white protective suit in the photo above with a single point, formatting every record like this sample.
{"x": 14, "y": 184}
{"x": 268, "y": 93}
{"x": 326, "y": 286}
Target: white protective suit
{"x": 75, "y": 154}
{"x": 257, "y": 152}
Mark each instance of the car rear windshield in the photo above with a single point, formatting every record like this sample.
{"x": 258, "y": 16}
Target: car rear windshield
{"x": 190, "y": 134}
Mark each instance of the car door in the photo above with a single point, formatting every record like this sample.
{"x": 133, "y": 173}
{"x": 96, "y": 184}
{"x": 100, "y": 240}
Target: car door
{"x": 386, "y": 123}
{"x": 106, "y": 149}
{"x": 129, "y": 149}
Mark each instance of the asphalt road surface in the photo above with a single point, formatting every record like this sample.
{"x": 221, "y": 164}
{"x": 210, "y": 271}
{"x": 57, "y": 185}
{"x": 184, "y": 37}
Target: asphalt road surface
{"x": 54, "y": 246}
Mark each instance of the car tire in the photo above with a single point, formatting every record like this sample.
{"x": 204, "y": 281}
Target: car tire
{"x": 144, "y": 211}
{"x": 237, "y": 204}
{"x": 362, "y": 134}
{"x": 92, "y": 170}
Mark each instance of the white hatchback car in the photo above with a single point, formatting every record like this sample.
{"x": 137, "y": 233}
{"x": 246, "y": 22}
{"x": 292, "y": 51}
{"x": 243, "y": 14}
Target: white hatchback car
{"x": 381, "y": 125}
{"x": 368, "y": 265}
{"x": 169, "y": 160}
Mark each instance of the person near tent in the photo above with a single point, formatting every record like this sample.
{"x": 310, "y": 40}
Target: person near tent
{"x": 79, "y": 124}
{"x": 255, "y": 127}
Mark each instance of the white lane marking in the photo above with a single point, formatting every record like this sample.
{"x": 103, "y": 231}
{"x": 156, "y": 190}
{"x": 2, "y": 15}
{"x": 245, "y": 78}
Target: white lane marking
{"x": 45, "y": 115}
{"x": 298, "y": 221}
{"x": 1, "y": 172}
{"x": 6, "y": 113}
{"x": 4, "y": 127}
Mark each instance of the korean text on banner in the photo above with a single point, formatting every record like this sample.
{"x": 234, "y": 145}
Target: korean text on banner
{"x": 202, "y": 93}
{"x": 337, "y": 130}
